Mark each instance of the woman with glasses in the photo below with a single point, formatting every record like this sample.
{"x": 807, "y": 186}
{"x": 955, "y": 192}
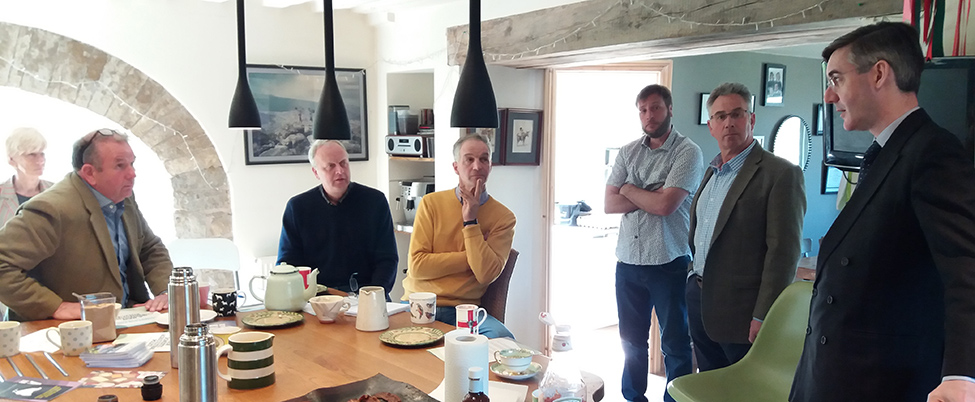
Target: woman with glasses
{"x": 25, "y": 152}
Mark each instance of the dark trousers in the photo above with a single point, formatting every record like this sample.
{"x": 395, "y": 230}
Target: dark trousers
{"x": 710, "y": 354}
{"x": 640, "y": 288}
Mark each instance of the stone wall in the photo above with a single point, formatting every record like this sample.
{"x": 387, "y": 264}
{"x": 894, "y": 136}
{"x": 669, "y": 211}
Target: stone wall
{"x": 49, "y": 64}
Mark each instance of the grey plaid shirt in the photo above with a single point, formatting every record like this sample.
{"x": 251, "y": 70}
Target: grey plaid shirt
{"x": 647, "y": 239}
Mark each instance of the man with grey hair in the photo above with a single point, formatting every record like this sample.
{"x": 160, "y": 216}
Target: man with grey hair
{"x": 461, "y": 238}
{"x": 341, "y": 227}
{"x": 83, "y": 235}
{"x": 652, "y": 184}
{"x": 746, "y": 230}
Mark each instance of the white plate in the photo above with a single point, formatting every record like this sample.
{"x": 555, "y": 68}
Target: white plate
{"x": 501, "y": 371}
{"x": 205, "y": 316}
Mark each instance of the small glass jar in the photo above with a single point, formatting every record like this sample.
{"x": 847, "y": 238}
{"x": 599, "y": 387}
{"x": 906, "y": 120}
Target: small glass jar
{"x": 151, "y": 388}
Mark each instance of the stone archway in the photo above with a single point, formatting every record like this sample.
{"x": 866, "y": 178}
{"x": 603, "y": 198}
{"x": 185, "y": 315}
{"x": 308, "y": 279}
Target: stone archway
{"x": 59, "y": 67}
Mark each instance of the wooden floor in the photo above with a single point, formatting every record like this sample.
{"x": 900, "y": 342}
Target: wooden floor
{"x": 599, "y": 352}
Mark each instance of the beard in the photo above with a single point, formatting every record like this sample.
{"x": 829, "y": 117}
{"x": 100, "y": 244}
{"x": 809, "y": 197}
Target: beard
{"x": 662, "y": 129}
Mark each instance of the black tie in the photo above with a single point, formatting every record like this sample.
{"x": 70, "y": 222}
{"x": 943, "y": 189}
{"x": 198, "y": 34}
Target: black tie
{"x": 868, "y": 159}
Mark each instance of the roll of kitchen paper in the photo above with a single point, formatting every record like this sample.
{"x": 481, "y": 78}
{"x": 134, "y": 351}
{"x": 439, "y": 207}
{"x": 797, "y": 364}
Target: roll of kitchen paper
{"x": 461, "y": 352}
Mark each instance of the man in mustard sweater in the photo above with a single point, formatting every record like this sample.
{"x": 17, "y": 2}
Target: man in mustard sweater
{"x": 461, "y": 238}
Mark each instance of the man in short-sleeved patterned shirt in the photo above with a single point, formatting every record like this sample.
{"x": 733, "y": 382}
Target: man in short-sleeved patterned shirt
{"x": 652, "y": 185}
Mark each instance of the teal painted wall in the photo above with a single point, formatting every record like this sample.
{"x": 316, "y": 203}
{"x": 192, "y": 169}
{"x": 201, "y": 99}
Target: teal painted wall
{"x": 803, "y": 88}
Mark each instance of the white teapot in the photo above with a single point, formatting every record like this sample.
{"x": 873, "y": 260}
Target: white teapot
{"x": 285, "y": 289}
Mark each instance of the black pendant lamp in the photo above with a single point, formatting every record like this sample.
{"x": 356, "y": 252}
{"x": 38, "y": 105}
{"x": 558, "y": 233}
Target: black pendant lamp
{"x": 243, "y": 108}
{"x": 474, "y": 102}
{"x": 331, "y": 120}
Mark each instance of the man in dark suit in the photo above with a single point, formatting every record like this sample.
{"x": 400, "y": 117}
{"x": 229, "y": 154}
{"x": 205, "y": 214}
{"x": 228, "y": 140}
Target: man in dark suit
{"x": 893, "y": 307}
{"x": 746, "y": 226}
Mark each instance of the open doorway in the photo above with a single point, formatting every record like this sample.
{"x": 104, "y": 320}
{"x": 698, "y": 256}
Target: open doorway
{"x": 594, "y": 114}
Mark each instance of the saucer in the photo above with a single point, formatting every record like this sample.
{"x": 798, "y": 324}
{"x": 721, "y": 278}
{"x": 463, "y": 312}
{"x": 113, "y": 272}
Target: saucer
{"x": 501, "y": 371}
{"x": 205, "y": 316}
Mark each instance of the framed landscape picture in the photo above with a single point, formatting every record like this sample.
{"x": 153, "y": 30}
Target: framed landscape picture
{"x": 287, "y": 97}
{"x": 523, "y": 129}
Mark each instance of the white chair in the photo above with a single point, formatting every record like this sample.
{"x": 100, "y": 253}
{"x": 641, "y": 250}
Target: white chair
{"x": 215, "y": 261}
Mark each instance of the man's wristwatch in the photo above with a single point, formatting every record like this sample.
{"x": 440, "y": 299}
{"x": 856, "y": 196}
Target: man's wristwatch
{"x": 471, "y": 222}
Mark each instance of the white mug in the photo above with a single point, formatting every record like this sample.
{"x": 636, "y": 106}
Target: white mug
{"x": 423, "y": 307}
{"x": 75, "y": 337}
{"x": 9, "y": 338}
{"x": 469, "y": 316}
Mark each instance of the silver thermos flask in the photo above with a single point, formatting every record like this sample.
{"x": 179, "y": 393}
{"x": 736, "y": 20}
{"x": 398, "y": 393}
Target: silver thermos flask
{"x": 197, "y": 365}
{"x": 184, "y": 307}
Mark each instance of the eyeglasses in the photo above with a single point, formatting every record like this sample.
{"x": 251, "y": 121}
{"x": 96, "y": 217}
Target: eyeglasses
{"x": 90, "y": 138}
{"x": 735, "y": 114}
{"x": 353, "y": 285}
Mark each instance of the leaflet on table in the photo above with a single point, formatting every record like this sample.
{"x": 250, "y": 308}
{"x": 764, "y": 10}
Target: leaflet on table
{"x": 155, "y": 341}
{"x": 135, "y": 316}
{"x": 34, "y": 389}
{"x": 126, "y": 355}
{"x": 493, "y": 346}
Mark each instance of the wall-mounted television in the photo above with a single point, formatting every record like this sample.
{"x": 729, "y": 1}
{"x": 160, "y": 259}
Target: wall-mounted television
{"x": 947, "y": 94}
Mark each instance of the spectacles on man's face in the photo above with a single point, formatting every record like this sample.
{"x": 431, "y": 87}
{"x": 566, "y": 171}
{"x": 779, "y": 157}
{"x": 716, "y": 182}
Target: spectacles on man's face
{"x": 734, "y": 114}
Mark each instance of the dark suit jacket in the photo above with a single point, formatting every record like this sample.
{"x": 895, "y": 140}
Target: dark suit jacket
{"x": 59, "y": 243}
{"x": 893, "y": 306}
{"x": 755, "y": 246}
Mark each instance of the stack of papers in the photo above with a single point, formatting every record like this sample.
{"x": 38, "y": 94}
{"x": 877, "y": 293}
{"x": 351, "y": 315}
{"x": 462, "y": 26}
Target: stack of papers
{"x": 126, "y": 355}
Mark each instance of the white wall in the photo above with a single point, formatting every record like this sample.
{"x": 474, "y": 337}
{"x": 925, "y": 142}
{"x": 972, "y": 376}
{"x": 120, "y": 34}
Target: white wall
{"x": 189, "y": 47}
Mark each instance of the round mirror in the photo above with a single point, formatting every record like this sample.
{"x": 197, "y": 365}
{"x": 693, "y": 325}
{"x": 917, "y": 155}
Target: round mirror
{"x": 792, "y": 140}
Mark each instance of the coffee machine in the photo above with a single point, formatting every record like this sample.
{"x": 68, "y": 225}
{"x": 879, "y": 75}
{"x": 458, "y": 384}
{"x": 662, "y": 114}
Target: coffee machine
{"x": 411, "y": 191}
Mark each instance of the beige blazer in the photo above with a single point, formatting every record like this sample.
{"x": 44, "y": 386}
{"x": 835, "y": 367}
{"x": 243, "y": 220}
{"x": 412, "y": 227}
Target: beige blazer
{"x": 60, "y": 244}
{"x": 755, "y": 246}
{"x": 8, "y": 199}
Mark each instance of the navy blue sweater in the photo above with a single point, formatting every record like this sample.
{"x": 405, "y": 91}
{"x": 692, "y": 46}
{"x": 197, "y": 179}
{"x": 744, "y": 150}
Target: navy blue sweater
{"x": 354, "y": 236}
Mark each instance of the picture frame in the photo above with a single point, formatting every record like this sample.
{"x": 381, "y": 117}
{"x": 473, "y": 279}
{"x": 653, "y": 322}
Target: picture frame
{"x": 703, "y": 119}
{"x": 523, "y": 131}
{"x": 287, "y": 97}
{"x": 831, "y": 179}
{"x": 818, "y": 117}
{"x": 773, "y": 84}
{"x": 496, "y": 136}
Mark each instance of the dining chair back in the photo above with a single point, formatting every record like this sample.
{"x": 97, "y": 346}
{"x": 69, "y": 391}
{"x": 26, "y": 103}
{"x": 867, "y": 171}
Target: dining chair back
{"x": 766, "y": 372}
{"x": 215, "y": 261}
{"x": 495, "y": 298}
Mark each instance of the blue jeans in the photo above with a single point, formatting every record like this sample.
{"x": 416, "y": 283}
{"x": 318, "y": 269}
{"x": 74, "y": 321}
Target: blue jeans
{"x": 710, "y": 354}
{"x": 640, "y": 288}
{"x": 491, "y": 327}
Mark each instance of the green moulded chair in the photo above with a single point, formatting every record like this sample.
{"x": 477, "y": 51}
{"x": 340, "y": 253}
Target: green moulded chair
{"x": 766, "y": 372}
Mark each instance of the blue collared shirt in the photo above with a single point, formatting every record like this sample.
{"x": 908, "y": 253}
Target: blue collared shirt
{"x": 116, "y": 230}
{"x": 484, "y": 195}
{"x": 710, "y": 201}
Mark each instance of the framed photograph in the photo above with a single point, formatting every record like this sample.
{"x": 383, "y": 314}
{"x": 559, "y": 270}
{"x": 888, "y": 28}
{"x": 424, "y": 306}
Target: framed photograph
{"x": 773, "y": 80}
{"x": 496, "y": 136}
{"x": 704, "y": 109}
{"x": 523, "y": 129}
{"x": 817, "y": 120}
{"x": 830, "y": 183}
{"x": 287, "y": 97}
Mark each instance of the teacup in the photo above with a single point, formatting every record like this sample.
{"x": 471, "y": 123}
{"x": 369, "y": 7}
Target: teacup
{"x": 224, "y": 332}
{"x": 327, "y": 308}
{"x": 250, "y": 360}
{"x": 423, "y": 307}
{"x": 516, "y": 360}
{"x": 75, "y": 337}
{"x": 9, "y": 338}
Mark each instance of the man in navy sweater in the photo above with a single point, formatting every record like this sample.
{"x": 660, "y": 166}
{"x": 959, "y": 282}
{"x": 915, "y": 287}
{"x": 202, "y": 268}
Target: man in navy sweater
{"x": 342, "y": 228}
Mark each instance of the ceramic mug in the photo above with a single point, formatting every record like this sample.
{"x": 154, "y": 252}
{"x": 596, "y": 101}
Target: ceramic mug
{"x": 75, "y": 337}
{"x": 469, "y": 316}
{"x": 327, "y": 308}
{"x": 225, "y": 301}
{"x": 423, "y": 307}
{"x": 250, "y": 360}
{"x": 516, "y": 360}
{"x": 9, "y": 338}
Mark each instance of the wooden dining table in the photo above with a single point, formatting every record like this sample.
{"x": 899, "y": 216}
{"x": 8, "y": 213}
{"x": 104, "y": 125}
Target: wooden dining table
{"x": 307, "y": 356}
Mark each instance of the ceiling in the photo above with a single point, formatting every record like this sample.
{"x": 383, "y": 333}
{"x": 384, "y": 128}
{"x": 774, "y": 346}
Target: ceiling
{"x": 359, "y": 6}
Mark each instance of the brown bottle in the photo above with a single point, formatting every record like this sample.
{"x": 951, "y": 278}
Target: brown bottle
{"x": 476, "y": 394}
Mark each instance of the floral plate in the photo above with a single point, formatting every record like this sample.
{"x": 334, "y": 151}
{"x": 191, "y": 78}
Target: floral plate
{"x": 272, "y": 319}
{"x": 411, "y": 336}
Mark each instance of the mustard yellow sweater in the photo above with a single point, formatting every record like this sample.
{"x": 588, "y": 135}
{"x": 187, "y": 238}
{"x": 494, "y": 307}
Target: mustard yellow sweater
{"x": 453, "y": 261}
